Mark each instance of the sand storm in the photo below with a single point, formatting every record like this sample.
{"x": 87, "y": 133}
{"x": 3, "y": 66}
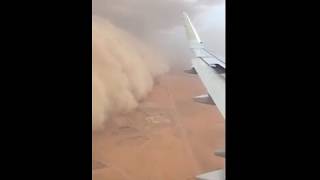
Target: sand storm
{"x": 123, "y": 71}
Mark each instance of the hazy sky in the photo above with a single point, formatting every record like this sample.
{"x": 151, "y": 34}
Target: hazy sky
{"x": 160, "y": 22}
{"x": 212, "y": 28}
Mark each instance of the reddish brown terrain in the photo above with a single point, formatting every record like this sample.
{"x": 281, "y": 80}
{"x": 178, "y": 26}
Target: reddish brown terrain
{"x": 168, "y": 137}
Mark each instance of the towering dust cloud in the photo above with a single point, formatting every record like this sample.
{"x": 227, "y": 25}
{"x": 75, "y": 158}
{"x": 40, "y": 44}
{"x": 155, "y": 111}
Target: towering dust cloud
{"x": 124, "y": 64}
{"x": 123, "y": 71}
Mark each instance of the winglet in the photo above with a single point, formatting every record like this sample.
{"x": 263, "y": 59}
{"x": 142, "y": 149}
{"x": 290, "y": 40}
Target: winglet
{"x": 190, "y": 30}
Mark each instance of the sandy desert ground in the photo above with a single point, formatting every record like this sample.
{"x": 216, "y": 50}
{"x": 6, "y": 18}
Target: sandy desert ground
{"x": 169, "y": 136}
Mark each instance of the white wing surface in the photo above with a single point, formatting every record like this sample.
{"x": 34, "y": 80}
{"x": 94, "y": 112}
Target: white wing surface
{"x": 209, "y": 67}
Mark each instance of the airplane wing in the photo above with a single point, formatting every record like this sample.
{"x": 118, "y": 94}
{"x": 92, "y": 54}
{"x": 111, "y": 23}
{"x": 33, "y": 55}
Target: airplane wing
{"x": 209, "y": 67}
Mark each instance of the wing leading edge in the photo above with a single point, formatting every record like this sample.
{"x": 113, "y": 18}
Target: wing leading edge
{"x": 211, "y": 71}
{"x": 209, "y": 67}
